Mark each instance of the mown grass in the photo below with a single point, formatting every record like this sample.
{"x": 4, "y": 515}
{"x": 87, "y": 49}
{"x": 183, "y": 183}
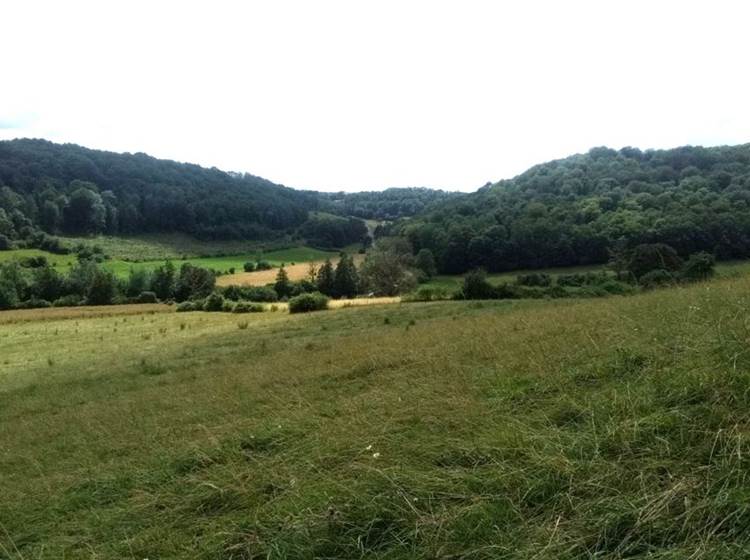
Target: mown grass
{"x": 609, "y": 428}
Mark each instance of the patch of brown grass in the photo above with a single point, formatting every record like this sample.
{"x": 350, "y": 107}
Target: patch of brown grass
{"x": 296, "y": 272}
{"x": 83, "y": 312}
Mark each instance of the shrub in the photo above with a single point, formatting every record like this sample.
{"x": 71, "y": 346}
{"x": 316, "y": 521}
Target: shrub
{"x": 5, "y": 244}
{"x": 263, "y": 265}
{"x": 260, "y": 293}
{"x": 247, "y": 307}
{"x": 428, "y": 293}
{"x": 476, "y": 286}
{"x": 308, "y": 302}
{"x": 699, "y": 266}
{"x": 34, "y": 303}
{"x": 653, "y": 257}
{"x": 189, "y": 306}
{"x": 227, "y": 306}
{"x": 249, "y": 266}
{"x": 214, "y": 302}
{"x": 146, "y": 297}
{"x": 70, "y": 300}
{"x": 656, "y": 278}
{"x": 534, "y": 279}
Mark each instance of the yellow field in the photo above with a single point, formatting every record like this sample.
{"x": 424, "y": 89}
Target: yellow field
{"x": 296, "y": 272}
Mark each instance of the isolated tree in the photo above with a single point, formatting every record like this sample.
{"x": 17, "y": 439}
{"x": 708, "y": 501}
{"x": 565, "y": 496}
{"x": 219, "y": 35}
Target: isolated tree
{"x": 346, "y": 279}
{"x": 312, "y": 273}
{"x": 282, "y": 286}
{"x": 194, "y": 282}
{"x": 326, "y": 279}
{"x": 386, "y": 272}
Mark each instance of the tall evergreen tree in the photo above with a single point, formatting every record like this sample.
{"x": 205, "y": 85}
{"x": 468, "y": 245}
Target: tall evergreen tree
{"x": 346, "y": 279}
{"x": 326, "y": 278}
{"x": 282, "y": 285}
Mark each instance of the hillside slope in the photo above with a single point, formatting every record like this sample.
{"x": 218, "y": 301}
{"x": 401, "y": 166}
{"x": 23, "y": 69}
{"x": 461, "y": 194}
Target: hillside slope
{"x": 575, "y": 210}
{"x": 136, "y": 193}
{"x": 613, "y": 428}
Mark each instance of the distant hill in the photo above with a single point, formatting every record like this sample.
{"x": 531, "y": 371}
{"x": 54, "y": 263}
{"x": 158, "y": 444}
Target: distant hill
{"x": 576, "y": 210}
{"x": 68, "y": 189}
{"x": 71, "y": 189}
{"x": 388, "y": 204}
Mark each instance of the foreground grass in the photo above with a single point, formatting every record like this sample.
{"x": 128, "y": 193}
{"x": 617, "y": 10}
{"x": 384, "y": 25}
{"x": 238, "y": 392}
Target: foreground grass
{"x": 614, "y": 428}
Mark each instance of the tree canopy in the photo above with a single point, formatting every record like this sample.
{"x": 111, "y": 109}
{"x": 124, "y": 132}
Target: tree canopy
{"x": 575, "y": 211}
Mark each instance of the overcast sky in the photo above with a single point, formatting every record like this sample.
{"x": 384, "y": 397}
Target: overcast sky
{"x": 361, "y": 95}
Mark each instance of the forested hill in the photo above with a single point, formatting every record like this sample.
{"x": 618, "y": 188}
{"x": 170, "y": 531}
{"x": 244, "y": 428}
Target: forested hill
{"x": 574, "y": 211}
{"x": 388, "y": 204}
{"x": 70, "y": 189}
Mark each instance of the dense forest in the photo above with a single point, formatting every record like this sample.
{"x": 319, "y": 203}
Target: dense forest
{"x": 582, "y": 209}
{"x": 68, "y": 189}
{"x": 389, "y": 204}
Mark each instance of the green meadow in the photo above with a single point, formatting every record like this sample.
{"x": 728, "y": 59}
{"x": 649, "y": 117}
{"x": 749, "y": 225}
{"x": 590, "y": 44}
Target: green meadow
{"x": 122, "y": 261}
{"x": 548, "y": 429}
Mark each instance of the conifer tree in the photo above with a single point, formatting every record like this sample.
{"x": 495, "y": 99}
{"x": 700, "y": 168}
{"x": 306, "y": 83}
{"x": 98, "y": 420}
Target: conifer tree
{"x": 325, "y": 279}
{"x": 282, "y": 286}
{"x": 346, "y": 279}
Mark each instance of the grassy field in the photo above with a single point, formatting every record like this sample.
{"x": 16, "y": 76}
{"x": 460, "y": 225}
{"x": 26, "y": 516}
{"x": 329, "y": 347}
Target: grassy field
{"x": 454, "y": 282}
{"x": 560, "y": 429}
{"x": 221, "y": 263}
{"x": 159, "y": 247}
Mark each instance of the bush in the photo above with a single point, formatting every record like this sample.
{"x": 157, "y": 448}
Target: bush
{"x": 656, "y": 278}
{"x": 263, "y": 265}
{"x": 5, "y": 244}
{"x": 189, "y": 306}
{"x": 428, "y": 293}
{"x": 249, "y": 266}
{"x": 699, "y": 266}
{"x": 476, "y": 286}
{"x": 653, "y": 257}
{"x": 247, "y": 307}
{"x": 534, "y": 279}
{"x": 214, "y": 302}
{"x": 308, "y": 302}
{"x": 70, "y": 300}
{"x": 146, "y": 297}
{"x": 260, "y": 293}
{"x": 227, "y": 306}
{"x": 34, "y": 303}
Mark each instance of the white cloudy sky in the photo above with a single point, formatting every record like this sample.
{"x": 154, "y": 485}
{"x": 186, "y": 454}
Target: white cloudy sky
{"x": 360, "y": 95}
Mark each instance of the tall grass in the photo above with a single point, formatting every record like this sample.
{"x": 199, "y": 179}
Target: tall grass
{"x": 612, "y": 428}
